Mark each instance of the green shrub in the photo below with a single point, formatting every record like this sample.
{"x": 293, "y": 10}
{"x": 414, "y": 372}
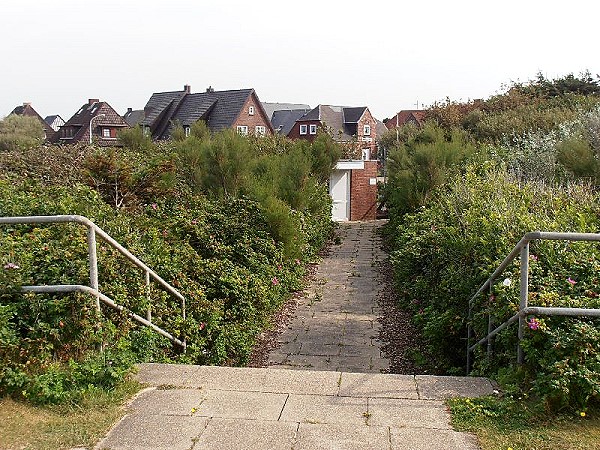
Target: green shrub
{"x": 20, "y": 132}
{"x": 446, "y": 250}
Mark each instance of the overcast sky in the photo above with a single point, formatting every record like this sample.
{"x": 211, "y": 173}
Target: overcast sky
{"x": 387, "y": 55}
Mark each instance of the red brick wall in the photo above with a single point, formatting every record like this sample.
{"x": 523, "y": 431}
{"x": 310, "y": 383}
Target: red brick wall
{"x": 363, "y": 195}
{"x": 367, "y": 119}
{"x": 295, "y": 131}
{"x": 258, "y": 118}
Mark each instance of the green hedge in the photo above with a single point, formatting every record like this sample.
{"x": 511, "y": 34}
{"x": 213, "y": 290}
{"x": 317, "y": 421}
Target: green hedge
{"x": 449, "y": 247}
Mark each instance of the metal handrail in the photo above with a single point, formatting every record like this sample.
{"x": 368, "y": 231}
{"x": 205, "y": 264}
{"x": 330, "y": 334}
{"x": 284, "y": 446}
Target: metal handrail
{"x": 522, "y": 249}
{"x": 92, "y": 231}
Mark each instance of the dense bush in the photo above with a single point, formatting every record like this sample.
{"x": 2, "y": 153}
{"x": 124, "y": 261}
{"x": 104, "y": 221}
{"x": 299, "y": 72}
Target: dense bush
{"x": 445, "y": 250}
{"x": 20, "y": 132}
{"x": 235, "y": 258}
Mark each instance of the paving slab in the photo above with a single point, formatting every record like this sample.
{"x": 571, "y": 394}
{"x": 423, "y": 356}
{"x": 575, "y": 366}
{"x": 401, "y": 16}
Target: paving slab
{"x": 378, "y": 386}
{"x": 241, "y": 405}
{"x": 433, "y": 387}
{"x": 153, "y": 432}
{"x": 341, "y": 437}
{"x": 402, "y": 413}
{"x": 171, "y": 402}
{"x": 325, "y": 409}
{"x": 416, "y": 439}
{"x": 227, "y": 434}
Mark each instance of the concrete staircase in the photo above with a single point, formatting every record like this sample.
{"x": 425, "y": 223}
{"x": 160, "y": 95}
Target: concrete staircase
{"x": 201, "y": 407}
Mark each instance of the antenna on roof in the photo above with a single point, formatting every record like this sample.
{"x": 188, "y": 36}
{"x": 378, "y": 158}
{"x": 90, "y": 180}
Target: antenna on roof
{"x": 210, "y": 89}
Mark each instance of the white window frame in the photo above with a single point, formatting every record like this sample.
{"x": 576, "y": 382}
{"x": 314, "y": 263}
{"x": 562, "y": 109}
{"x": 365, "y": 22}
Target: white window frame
{"x": 366, "y": 154}
{"x": 251, "y": 110}
{"x": 242, "y": 129}
{"x": 313, "y": 129}
{"x": 186, "y": 130}
{"x": 106, "y": 133}
{"x": 260, "y": 130}
{"x": 367, "y": 130}
{"x": 303, "y": 129}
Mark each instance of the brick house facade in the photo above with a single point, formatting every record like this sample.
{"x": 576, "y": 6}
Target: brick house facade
{"x": 353, "y": 127}
{"x": 105, "y": 125}
{"x": 237, "y": 109}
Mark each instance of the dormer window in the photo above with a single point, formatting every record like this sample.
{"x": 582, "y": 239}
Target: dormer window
{"x": 106, "y": 132}
{"x": 367, "y": 130}
{"x": 303, "y": 129}
{"x": 251, "y": 111}
{"x": 313, "y": 129}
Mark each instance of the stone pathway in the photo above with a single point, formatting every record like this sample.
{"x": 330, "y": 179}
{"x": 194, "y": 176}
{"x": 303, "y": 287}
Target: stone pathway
{"x": 225, "y": 408}
{"x": 335, "y": 326}
{"x": 344, "y": 404}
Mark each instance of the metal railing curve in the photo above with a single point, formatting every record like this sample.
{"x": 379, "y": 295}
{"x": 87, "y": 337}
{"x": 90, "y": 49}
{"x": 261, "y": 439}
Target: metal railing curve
{"x": 94, "y": 230}
{"x": 522, "y": 250}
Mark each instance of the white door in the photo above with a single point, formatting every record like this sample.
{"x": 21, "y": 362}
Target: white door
{"x": 339, "y": 190}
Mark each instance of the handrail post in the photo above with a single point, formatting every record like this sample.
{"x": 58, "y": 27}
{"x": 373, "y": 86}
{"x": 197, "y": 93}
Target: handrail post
{"x": 93, "y": 262}
{"x": 523, "y": 298}
{"x": 149, "y": 311}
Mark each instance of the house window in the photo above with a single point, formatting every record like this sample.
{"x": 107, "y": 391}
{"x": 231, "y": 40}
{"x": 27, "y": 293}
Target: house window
{"x": 313, "y": 129}
{"x": 366, "y": 154}
{"x": 187, "y": 131}
{"x": 367, "y": 130}
{"x": 260, "y": 130}
{"x": 106, "y": 132}
{"x": 251, "y": 111}
{"x": 242, "y": 129}
{"x": 303, "y": 129}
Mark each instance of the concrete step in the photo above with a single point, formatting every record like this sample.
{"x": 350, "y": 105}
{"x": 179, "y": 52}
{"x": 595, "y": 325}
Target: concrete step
{"x": 202, "y": 407}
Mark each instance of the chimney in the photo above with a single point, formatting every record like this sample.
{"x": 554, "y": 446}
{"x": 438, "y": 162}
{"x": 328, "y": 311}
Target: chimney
{"x": 26, "y": 104}
{"x": 91, "y": 101}
{"x": 129, "y": 110}
{"x": 210, "y": 89}
{"x": 187, "y": 89}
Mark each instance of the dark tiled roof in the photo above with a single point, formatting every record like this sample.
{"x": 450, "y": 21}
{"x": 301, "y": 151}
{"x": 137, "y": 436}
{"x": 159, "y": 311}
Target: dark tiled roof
{"x": 313, "y": 114}
{"x": 283, "y": 120}
{"x": 134, "y": 117}
{"x": 353, "y": 115}
{"x": 416, "y": 116}
{"x": 27, "y": 110}
{"x": 219, "y": 109}
{"x": 80, "y": 121}
{"x": 271, "y": 108}
{"x": 158, "y": 103}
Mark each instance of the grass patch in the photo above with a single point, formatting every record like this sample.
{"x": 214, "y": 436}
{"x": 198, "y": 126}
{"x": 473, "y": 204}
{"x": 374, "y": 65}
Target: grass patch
{"x": 506, "y": 423}
{"x": 27, "y": 427}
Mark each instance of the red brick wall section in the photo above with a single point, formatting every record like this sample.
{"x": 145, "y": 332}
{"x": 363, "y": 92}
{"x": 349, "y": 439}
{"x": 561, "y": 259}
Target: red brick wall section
{"x": 251, "y": 121}
{"x": 363, "y": 195}
{"x": 295, "y": 131}
{"x": 367, "y": 119}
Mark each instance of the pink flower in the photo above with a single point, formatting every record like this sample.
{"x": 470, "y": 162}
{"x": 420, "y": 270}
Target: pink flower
{"x": 492, "y": 297}
{"x": 571, "y": 281}
{"x": 10, "y": 266}
{"x": 533, "y": 257}
{"x": 275, "y": 281}
{"x": 202, "y": 326}
{"x": 279, "y": 267}
{"x": 194, "y": 222}
{"x": 533, "y": 323}
{"x": 154, "y": 206}
{"x": 297, "y": 262}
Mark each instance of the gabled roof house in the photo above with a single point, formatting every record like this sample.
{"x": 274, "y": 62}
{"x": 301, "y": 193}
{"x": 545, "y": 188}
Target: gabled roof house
{"x": 414, "y": 116}
{"x": 96, "y": 117}
{"x": 354, "y": 127}
{"x": 55, "y": 121}
{"x": 238, "y": 109}
{"x": 284, "y": 115}
{"x": 27, "y": 110}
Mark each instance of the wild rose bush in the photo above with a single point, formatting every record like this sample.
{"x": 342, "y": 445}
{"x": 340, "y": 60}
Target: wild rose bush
{"x": 445, "y": 250}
